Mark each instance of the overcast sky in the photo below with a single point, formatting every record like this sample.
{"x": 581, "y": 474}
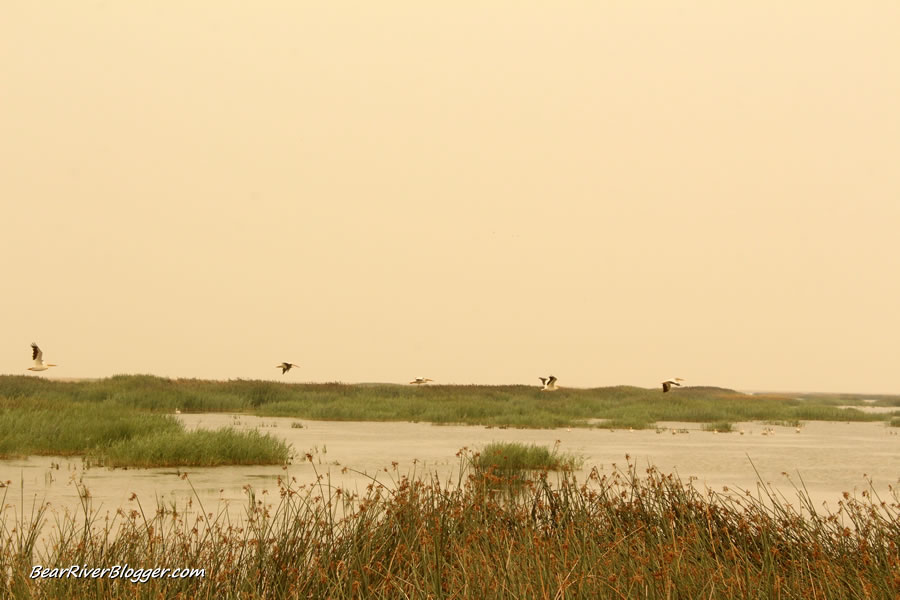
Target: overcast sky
{"x": 475, "y": 192}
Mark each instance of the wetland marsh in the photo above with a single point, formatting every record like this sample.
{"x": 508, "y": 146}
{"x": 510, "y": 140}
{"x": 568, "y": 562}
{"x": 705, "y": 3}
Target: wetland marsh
{"x": 793, "y": 467}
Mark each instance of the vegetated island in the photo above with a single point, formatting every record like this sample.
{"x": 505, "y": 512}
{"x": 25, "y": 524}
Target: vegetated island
{"x": 128, "y": 420}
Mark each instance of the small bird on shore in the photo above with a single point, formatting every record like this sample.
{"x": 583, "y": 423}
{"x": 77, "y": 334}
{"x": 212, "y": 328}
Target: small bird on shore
{"x": 38, "y": 357}
{"x": 420, "y": 381}
{"x": 285, "y": 367}
{"x": 668, "y": 383}
{"x": 549, "y": 384}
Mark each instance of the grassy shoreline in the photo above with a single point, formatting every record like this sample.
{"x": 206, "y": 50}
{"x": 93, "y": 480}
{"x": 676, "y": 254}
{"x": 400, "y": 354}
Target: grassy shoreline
{"x": 617, "y": 534}
{"x": 511, "y": 405}
{"x": 111, "y": 434}
{"x": 104, "y": 418}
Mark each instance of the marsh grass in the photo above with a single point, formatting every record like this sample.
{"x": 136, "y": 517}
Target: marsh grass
{"x": 113, "y": 434}
{"x": 619, "y": 534}
{"x": 719, "y": 427}
{"x": 783, "y": 423}
{"x": 895, "y": 422}
{"x": 201, "y": 447}
{"x": 509, "y": 406}
{"x": 106, "y": 418}
{"x": 69, "y": 429}
{"x": 515, "y": 456}
{"x": 887, "y": 400}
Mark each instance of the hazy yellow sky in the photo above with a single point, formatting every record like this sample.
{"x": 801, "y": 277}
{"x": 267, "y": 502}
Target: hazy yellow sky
{"x": 476, "y": 192}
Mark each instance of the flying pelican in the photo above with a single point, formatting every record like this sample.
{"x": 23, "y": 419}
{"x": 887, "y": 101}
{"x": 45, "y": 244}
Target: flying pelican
{"x": 38, "y": 358}
{"x": 549, "y": 384}
{"x": 285, "y": 367}
{"x": 420, "y": 380}
{"x": 668, "y": 383}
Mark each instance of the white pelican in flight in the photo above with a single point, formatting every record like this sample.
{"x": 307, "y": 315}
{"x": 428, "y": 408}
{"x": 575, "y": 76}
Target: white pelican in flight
{"x": 38, "y": 358}
{"x": 549, "y": 384}
{"x": 285, "y": 367}
{"x": 668, "y": 383}
{"x": 420, "y": 380}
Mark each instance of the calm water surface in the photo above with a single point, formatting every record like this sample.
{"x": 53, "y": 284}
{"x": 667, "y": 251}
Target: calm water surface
{"x": 830, "y": 457}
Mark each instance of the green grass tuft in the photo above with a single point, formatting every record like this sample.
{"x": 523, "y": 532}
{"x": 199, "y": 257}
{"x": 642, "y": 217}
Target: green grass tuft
{"x": 508, "y": 456}
{"x": 719, "y": 426}
{"x": 201, "y": 448}
{"x": 118, "y": 434}
{"x": 71, "y": 429}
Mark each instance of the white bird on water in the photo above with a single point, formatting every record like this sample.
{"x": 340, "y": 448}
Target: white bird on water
{"x": 285, "y": 367}
{"x": 38, "y": 358}
{"x": 549, "y": 384}
{"x": 420, "y": 381}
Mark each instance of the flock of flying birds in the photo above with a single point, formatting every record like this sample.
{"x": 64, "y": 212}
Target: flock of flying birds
{"x": 548, "y": 383}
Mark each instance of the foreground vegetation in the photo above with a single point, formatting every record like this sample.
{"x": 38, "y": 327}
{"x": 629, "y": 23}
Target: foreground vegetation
{"x": 617, "y": 535}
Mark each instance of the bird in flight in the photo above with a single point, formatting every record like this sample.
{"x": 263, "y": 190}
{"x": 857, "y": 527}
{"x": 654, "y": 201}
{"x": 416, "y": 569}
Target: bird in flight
{"x": 285, "y": 367}
{"x": 38, "y": 357}
{"x": 668, "y": 383}
{"x": 549, "y": 384}
{"x": 420, "y": 380}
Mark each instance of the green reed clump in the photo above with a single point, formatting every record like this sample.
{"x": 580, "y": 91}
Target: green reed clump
{"x": 69, "y": 429}
{"x": 636, "y": 421}
{"x": 203, "y": 448}
{"x": 895, "y": 422}
{"x": 507, "y": 456}
{"x": 618, "y": 534}
{"x": 117, "y": 435}
{"x": 719, "y": 426}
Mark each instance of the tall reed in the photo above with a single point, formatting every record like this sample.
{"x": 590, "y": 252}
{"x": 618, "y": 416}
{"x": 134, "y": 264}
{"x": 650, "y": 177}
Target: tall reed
{"x": 619, "y": 534}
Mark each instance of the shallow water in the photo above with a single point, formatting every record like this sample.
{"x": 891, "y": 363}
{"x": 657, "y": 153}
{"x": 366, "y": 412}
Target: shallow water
{"x": 830, "y": 457}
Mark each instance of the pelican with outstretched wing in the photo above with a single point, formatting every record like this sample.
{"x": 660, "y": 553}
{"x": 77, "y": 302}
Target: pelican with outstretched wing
{"x": 668, "y": 383}
{"x": 285, "y": 367}
{"x": 549, "y": 384}
{"x": 420, "y": 381}
{"x": 38, "y": 357}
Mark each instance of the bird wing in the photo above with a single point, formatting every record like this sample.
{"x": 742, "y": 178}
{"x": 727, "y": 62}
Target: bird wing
{"x": 666, "y": 385}
{"x": 552, "y": 380}
{"x": 543, "y": 380}
{"x": 36, "y": 354}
